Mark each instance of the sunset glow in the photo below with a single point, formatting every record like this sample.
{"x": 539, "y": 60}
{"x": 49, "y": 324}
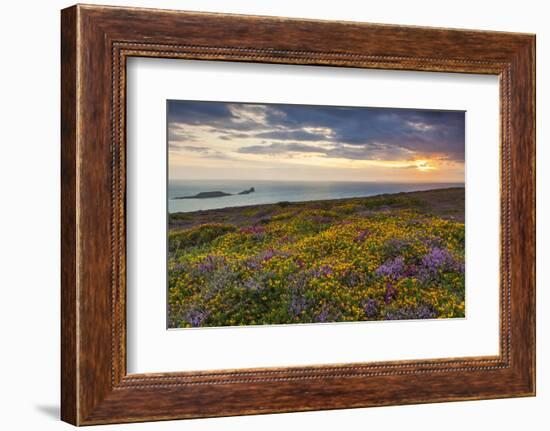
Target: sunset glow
{"x": 298, "y": 142}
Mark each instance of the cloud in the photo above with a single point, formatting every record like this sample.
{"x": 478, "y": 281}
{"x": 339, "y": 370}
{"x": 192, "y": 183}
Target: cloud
{"x": 180, "y": 134}
{"x": 373, "y": 151}
{"x": 419, "y": 125}
{"x": 421, "y": 131}
{"x": 280, "y": 148}
{"x": 195, "y": 149}
{"x": 218, "y": 116}
{"x": 287, "y": 135}
{"x": 197, "y": 113}
{"x": 344, "y": 132}
{"x": 204, "y": 152}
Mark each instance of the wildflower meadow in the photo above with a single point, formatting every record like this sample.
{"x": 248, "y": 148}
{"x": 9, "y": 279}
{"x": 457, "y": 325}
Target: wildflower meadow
{"x": 388, "y": 257}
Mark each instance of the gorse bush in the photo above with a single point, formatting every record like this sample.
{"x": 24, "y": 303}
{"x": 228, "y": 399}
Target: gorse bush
{"x": 392, "y": 201}
{"x": 310, "y": 263}
{"x": 204, "y": 234}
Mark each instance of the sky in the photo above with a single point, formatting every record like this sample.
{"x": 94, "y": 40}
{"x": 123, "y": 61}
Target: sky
{"x": 226, "y": 140}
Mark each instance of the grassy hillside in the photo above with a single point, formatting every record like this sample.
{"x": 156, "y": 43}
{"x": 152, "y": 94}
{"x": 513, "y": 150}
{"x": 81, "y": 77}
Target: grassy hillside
{"x": 388, "y": 257}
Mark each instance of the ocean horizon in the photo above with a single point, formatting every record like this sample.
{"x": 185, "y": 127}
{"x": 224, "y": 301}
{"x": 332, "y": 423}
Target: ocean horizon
{"x": 268, "y": 192}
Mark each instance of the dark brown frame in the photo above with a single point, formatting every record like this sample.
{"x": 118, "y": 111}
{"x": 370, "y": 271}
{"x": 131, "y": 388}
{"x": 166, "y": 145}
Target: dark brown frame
{"x": 96, "y": 41}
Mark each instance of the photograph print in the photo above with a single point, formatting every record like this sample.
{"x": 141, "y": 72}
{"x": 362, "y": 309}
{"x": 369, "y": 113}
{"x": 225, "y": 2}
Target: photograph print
{"x": 289, "y": 214}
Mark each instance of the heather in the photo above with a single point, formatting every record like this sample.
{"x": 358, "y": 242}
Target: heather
{"x": 389, "y": 257}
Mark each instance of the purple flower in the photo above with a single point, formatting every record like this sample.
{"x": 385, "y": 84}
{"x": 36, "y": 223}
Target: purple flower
{"x": 320, "y": 219}
{"x": 391, "y": 293}
{"x": 196, "y": 317}
{"x": 436, "y": 260}
{"x": 297, "y": 305}
{"x": 257, "y": 233}
{"x": 285, "y": 239}
{"x": 253, "y": 264}
{"x": 211, "y": 263}
{"x": 396, "y": 244}
{"x": 268, "y": 254}
{"x": 392, "y": 268}
{"x": 253, "y": 230}
{"x": 323, "y": 315}
{"x": 217, "y": 281}
{"x": 321, "y": 271}
{"x": 410, "y": 271}
{"x": 271, "y": 253}
{"x": 178, "y": 267}
{"x": 298, "y": 281}
{"x": 371, "y": 308}
{"x": 432, "y": 242}
{"x": 408, "y": 313}
{"x": 362, "y": 235}
{"x": 353, "y": 279}
{"x": 252, "y": 284}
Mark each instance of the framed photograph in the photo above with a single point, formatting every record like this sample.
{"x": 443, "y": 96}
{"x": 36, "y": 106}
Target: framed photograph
{"x": 265, "y": 215}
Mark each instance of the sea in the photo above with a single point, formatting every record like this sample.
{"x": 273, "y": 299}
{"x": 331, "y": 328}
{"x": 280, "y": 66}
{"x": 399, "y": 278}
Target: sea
{"x": 267, "y": 192}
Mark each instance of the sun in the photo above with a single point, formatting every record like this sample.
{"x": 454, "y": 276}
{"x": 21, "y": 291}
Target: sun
{"x": 424, "y": 165}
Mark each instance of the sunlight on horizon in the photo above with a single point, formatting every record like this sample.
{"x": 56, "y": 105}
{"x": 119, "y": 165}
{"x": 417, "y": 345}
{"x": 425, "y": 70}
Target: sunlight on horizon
{"x": 303, "y": 143}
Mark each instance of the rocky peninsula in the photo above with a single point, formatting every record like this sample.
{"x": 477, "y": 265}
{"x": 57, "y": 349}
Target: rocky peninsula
{"x": 215, "y": 194}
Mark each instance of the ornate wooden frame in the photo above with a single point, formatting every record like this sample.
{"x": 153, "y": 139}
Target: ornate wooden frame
{"x": 96, "y": 41}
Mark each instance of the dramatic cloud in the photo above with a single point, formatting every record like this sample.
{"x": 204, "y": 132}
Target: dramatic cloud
{"x": 364, "y": 152}
{"x": 354, "y": 133}
{"x": 270, "y": 133}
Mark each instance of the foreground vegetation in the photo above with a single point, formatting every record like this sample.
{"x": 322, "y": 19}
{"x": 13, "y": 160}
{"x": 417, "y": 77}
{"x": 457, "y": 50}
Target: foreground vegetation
{"x": 386, "y": 257}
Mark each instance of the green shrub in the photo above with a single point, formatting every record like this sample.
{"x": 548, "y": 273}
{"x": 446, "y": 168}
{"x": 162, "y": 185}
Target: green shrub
{"x": 197, "y": 236}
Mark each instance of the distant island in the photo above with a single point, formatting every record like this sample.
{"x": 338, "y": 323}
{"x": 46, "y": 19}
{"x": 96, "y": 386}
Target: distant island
{"x": 247, "y": 192}
{"x": 215, "y": 194}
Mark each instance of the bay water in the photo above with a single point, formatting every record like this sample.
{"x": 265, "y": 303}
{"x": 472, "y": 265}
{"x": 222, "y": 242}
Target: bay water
{"x": 267, "y": 192}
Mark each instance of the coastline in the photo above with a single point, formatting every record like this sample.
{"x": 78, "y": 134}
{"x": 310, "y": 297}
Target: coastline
{"x": 444, "y": 202}
{"x": 220, "y": 195}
